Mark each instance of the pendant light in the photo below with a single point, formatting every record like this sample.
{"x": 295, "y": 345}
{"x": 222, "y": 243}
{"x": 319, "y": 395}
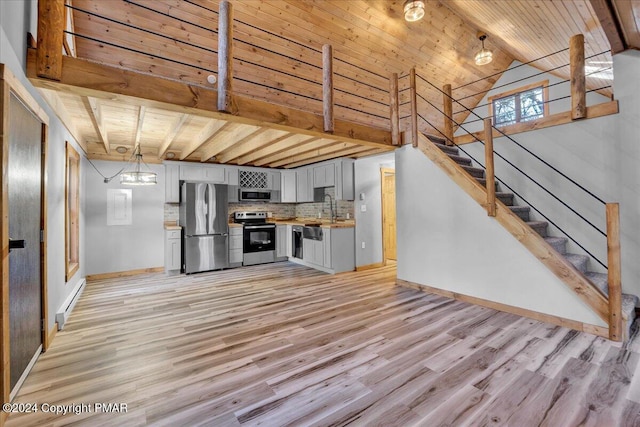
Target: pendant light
{"x": 484, "y": 56}
{"x": 135, "y": 175}
{"x": 413, "y": 10}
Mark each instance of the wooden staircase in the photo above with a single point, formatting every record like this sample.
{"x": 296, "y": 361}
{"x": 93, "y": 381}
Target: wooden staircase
{"x": 572, "y": 269}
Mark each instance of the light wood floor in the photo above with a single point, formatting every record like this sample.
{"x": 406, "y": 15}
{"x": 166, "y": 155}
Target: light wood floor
{"x": 282, "y": 345}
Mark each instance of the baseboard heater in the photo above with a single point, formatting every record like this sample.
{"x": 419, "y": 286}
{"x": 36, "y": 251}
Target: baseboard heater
{"x": 65, "y": 310}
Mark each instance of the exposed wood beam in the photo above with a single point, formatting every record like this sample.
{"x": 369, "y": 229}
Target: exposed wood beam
{"x": 267, "y": 137}
{"x": 341, "y": 153}
{"x": 141, "y": 112}
{"x": 303, "y": 147}
{"x": 86, "y": 78}
{"x": 171, "y": 135}
{"x": 605, "y": 11}
{"x": 329, "y": 147}
{"x": 94, "y": 110}
{"x": 593, "y": 111}
{"x": 51, "y": 23}
{"x": 96, "y": 152}
{"x": 276, "y": 147}
{"x": 63, "y": 114}
{"x": 209, "y": 130}
{"x": 225, "y": 57}
{"x": 229, "y": 136}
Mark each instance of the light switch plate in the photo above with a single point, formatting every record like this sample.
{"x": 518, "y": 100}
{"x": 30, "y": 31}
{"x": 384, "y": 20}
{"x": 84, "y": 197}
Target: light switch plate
{"x": 363, "y": 208}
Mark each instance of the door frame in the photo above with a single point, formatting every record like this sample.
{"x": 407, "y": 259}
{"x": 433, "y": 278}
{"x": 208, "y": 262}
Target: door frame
{"x": 10, "y": 84}
{"x": 383, "y": 171}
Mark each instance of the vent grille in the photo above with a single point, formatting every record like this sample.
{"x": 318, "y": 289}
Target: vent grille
{"x": 253, "y": 179}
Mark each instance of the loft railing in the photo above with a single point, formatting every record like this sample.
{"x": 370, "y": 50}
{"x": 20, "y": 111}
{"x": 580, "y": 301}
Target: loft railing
{"x": 578, "y": 111}
{"x": 208, "y": 41}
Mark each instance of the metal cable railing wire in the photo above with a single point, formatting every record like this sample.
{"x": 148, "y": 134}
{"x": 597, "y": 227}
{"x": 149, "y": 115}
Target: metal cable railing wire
{"x": 528, "y": 203}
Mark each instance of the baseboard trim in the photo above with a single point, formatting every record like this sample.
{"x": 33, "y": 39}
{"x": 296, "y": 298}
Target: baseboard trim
{"x": 370, "y": 266}
{"x": 535, "y": 315}
{"x": 124, "y": 273}
{"x": 51, "y": 336}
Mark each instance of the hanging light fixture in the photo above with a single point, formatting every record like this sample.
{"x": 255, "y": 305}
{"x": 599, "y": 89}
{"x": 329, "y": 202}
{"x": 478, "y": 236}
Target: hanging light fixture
{"x": 484, "y": 56}
{"x": 413, "y": 10}
{"x": 135, "y": 175}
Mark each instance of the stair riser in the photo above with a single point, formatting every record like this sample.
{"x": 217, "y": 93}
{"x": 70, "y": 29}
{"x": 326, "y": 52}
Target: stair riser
{"x": 561, "y": 248}
{"x": 507, "y": 200}
{"x": 540, "y": 229}
{"x": 447, "y": 149}
{"x": 462, "y": 161}
{"x": 580, "y": 264}
{"x": 476, "y": 173}
{"x": 522, "y": 214}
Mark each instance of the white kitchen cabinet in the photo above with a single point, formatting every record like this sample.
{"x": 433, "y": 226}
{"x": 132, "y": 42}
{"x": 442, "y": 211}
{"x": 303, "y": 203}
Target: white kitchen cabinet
{"x": 207, "y": 173}
{"x": 345, "y": 185}
{"x": 231, "y": 175}
{"x": 304, "y": 184}
{"x": 326, "y": 247}
{"x": 172, "y": 251}
{"x": 274, "y": 178}
{"x": 324, "y": 175}
{"x": 289, "y": 240}
{"x": 288, "y": 186}
{"x": 313, "y": 251}
{"x": 172, "y": 183}
{"x": 235, "y": 246}
{"x": 281, "y": 242}
{"x": 335, "y": 253}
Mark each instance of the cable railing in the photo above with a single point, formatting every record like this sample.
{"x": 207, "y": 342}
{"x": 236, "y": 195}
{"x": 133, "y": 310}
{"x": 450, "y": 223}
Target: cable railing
{"x": 295, "y": 69}
{"x": 578, "y": 93}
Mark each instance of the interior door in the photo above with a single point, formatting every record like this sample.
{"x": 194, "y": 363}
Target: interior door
{"x": 24, "y": 183}
{"x": 389, "y": 213}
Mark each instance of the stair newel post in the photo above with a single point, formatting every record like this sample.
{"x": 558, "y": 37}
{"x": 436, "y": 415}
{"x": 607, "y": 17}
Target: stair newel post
{"x": 414, "y": 107}
{"x": 51, "y": 22}
{"x": 394, "y": 109}
{"x": 447, "y": 102}
{"x": 225, "y": 56}
{"x": 614, "y": 270}
{"x": 489, "y": 172}
{"x": 578, "y": 83}
{"x": 327, "y": 87}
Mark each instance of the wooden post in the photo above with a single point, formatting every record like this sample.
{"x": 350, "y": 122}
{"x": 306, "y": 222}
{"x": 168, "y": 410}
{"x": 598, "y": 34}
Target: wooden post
{"x": 51, "y": 25}
{"x": 414, "y": 107}
{"x": 327, "y": 87}
{"x": 490, "y": 173}
{"x": 394, "y": 109}
{"x": 578, "y": 85}
{"x": 225, "y": 56}
{"x": 447, "y": 101}
{"x": 613, "y": 257}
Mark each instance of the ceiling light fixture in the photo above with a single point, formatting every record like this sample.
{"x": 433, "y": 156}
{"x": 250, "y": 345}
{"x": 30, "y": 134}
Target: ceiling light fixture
{"x": 135, "y": 175}
{"x": 484, "y": 56}
{"x": 413, "y": 10}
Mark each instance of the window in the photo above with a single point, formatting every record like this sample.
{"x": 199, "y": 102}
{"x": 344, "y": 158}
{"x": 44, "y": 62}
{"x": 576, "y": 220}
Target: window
{"x": 72, "y": 212}
{"x": 520, "y": 105}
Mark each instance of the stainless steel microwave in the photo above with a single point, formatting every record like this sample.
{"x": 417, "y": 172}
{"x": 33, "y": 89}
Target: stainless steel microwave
{"x": 254, "y": 195}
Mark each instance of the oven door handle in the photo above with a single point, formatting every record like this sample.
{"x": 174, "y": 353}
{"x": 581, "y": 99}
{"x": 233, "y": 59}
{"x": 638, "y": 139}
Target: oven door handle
{"x": 254, "y": 227}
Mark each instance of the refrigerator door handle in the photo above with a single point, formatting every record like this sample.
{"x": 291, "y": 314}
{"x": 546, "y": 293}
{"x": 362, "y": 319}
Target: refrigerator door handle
{"x": 211, "y": 208}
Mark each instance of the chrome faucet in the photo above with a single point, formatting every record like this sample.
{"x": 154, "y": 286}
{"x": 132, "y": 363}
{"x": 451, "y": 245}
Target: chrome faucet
{"x": 333, "y": 218}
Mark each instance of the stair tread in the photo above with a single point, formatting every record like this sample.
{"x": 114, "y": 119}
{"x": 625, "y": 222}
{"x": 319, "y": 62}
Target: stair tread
{"x": 580, "y": 262}
{"x": 446, "y": 148}
{"x": 556, "y": 239}
{"x": 558, "y": 243}
{"x": 459, "y": 159}
{"x": 537, "y": 223}
{"x": 520, "y": 208}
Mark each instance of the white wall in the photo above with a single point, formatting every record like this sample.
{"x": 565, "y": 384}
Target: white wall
{"x": 17, "y": 17}
{"x": 601, "y": 154}
{"x": 123, "y": 247}
{"x": 447, "y": 241}
{"x": 369, "y": 223}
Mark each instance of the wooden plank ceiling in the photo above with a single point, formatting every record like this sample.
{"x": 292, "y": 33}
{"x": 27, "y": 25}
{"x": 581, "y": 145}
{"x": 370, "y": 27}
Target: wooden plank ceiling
{"x": 278, "y": 59}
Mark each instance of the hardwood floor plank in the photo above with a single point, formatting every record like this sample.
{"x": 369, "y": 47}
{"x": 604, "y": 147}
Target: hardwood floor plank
{"x": 281, "y": 344}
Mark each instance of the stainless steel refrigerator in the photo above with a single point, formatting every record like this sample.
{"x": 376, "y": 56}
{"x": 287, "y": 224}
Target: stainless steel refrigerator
{"x": 205, "y": 224}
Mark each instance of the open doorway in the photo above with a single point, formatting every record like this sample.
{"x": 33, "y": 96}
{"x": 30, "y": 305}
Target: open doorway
{"x": 388, "y": 186}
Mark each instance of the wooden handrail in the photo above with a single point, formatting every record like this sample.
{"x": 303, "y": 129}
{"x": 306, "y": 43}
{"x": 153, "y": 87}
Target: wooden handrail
{"x": 327, "y": 87}
{"x": 225, "y": 57}
{"x": 414, "y": 107}
{"x": 489, "y": 172}
{"x": 614, "y": 267}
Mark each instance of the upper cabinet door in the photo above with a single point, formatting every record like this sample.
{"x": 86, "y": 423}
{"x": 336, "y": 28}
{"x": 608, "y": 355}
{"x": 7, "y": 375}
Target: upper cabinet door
{"x": 172, "y": 183}
{"x": 205, "y": 173}
{"x": 288, "y": 186}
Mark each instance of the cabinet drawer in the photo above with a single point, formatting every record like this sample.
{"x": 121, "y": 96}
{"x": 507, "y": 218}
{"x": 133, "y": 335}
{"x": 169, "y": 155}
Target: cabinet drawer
{"x": 235, "y": 242}
{"x": 173, "y": 234}
{"x": 235, "y": 256}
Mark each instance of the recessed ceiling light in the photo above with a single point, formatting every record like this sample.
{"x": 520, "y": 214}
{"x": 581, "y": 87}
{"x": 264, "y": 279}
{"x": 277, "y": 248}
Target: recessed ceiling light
{"x": 212, "y": 79}
{"x": 170, "y": 155}
{"x": 122, "y": 149}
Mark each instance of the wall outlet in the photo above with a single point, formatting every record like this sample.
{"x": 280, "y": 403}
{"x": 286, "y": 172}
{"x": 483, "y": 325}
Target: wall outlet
{"x": 363, "y": 208}
{"x": 363, "y": 245}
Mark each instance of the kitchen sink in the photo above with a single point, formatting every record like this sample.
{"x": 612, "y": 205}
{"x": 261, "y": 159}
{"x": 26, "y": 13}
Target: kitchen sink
{"x": 312, "y": 232}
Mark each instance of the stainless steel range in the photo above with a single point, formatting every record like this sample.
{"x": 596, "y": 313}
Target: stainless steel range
{"x": 259, "y": 237}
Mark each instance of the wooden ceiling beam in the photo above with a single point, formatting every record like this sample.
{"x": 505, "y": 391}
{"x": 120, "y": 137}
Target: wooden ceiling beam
{"x": 605, "y": 11}
{"x": 231, "y": 135}
{"x": 268, "y": 137}
{"x": 65, "y": 117}
{"x": 85, "y": 78}
{"x": 303, "y": 147}
{"x": 94, "y": 110}
{"x": 209, "y": 130}
{"x": 330, "y": 147}
{"x": 141, "y": 112}
{"x": 314, "y": 159}
{"x": 275, "y": 147}
{"x": 171, "y": 135}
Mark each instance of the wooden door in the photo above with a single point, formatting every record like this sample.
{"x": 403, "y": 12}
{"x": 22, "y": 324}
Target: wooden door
{"x": 389, "y": 213}
{"x": 24, "y": 198}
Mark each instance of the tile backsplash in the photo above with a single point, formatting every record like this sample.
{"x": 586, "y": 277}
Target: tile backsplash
{"x": 279, "y": 210}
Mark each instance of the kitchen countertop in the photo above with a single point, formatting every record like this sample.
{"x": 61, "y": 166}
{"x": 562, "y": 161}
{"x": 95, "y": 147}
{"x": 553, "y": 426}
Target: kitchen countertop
{"x": 324, "y": 223}
{"x": 172, "y": 226}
